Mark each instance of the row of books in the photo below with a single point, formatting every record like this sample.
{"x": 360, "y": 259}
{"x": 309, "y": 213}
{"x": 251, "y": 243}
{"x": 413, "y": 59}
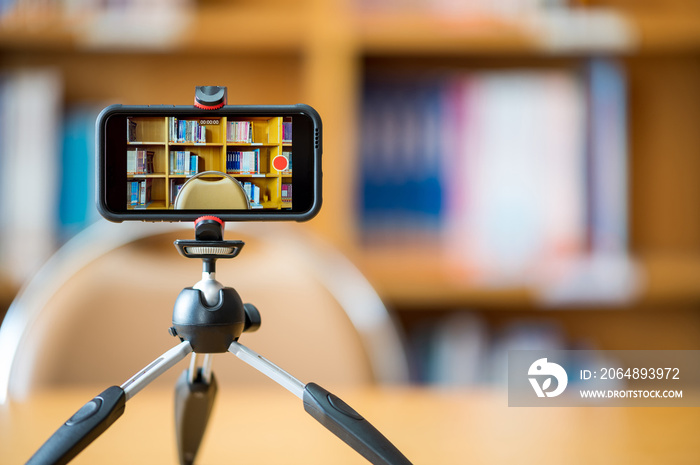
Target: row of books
{"x": 240, "y": 131}
{"x": 185, "y": 162}
{"x": 131, "y": 130}
{"x": 253, "y": 193}
{"x": 243, "y": 162}
{"x": 31, "y": 168}
{"x": 139, "y": 161}
{"x": 463, "y": 348}
{"x": 139, "y": 193}
{"x": 186, "y": 131}
{"x": 475, "y": 10}
{"x": 175, "y": 187}
{"x": 286, "y": 131}
{"x": 509, "y": 170}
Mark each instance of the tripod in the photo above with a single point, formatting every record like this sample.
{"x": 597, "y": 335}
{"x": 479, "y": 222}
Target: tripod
{"x": 209, "y": 318}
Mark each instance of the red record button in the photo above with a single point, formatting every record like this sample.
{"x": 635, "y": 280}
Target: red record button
{"x": 280, "y": 163}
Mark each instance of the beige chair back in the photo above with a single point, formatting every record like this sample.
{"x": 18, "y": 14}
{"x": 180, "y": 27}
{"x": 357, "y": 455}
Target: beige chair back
{"x": 99, "y": 312}
{"x": 212, "y": 190}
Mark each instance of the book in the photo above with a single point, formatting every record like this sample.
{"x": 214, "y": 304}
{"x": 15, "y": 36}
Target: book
{"x": 607, "y": 156}
{"x": 286, "y": 132}
{"x": 518, "y": 201}
{"x": 172, "y": 129}
{"x": 131, "y": 130}
{"x": 76, "y": 180}
{"x": 196, "y": 165}
{"x": 175, "y": 187}
{"x": 31, "y": 111}
{"x": 288, "y": 156}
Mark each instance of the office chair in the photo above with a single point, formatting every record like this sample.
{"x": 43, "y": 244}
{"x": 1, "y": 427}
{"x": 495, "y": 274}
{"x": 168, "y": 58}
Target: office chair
{"x": 100, "y": 309}
{"x": 202, "y": 193}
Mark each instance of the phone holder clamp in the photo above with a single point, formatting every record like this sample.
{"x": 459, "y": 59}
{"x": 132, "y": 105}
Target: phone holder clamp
{"x": 210, "y": 97}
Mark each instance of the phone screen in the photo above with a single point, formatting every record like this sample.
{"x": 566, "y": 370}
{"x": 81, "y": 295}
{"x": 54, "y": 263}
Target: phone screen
{"x": 241, "y": 162}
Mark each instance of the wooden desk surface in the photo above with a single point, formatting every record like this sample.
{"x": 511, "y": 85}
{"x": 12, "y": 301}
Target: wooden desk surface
{"x": 269, "y": 426}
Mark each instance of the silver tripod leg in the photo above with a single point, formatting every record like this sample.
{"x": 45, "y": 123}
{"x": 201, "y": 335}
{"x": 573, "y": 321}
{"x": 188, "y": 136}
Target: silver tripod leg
{"x": 329, "y": 410}
{"x": 268, "y": 368}
{"x": 103, "y": 410}
{"x": 159, "y": 366}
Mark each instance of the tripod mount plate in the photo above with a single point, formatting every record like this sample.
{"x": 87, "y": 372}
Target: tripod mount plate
{"x": 208, "y": 249}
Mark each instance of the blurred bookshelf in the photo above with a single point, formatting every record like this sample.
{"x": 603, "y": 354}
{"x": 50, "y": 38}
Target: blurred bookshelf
{"x": 334, "y": 55}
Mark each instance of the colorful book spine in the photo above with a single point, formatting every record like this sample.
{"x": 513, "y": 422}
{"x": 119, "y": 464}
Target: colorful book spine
{"x": 172, "y": 129}
{"x": 131, "y": 130}
{"x": 286, "y": 132}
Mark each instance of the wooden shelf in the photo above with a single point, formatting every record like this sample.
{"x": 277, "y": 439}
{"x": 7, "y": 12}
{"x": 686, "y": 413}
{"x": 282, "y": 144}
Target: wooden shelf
{"x": 420, "y": 279}
{"x": 674, "y": 32}
{"x": 671, "y": 278}
{"x": 287, "y": 30}
{"x": 197, "y": 31}
{"x": 595, "y": 31}
{"x": 429, "y": 34}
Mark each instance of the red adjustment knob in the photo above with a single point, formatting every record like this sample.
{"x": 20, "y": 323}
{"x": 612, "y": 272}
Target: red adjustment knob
{"x": 209, "y": 217}
{"x": 210, "y": 97}
{"x": 206, "y": 107}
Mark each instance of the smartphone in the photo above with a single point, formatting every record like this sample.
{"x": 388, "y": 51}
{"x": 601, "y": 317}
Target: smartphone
{"x": 239, "y": 163}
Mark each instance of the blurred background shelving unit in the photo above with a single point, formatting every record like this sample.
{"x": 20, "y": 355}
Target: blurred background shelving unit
{"x": 326, "y": 54}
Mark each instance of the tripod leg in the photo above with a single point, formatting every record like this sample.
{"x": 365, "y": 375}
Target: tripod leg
{"x": 194, "y": 398}
{"x": 97, "y": 415}
{"x": 329, "y": 410}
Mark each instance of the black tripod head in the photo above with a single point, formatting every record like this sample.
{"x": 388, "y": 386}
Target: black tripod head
{"x": 209, "y": 315}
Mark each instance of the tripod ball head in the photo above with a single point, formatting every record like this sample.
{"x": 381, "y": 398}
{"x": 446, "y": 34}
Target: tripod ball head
{"x": 209, "y": 330}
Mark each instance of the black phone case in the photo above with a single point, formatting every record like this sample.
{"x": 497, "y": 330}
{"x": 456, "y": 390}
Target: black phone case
{"x": 102, "y": 183}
